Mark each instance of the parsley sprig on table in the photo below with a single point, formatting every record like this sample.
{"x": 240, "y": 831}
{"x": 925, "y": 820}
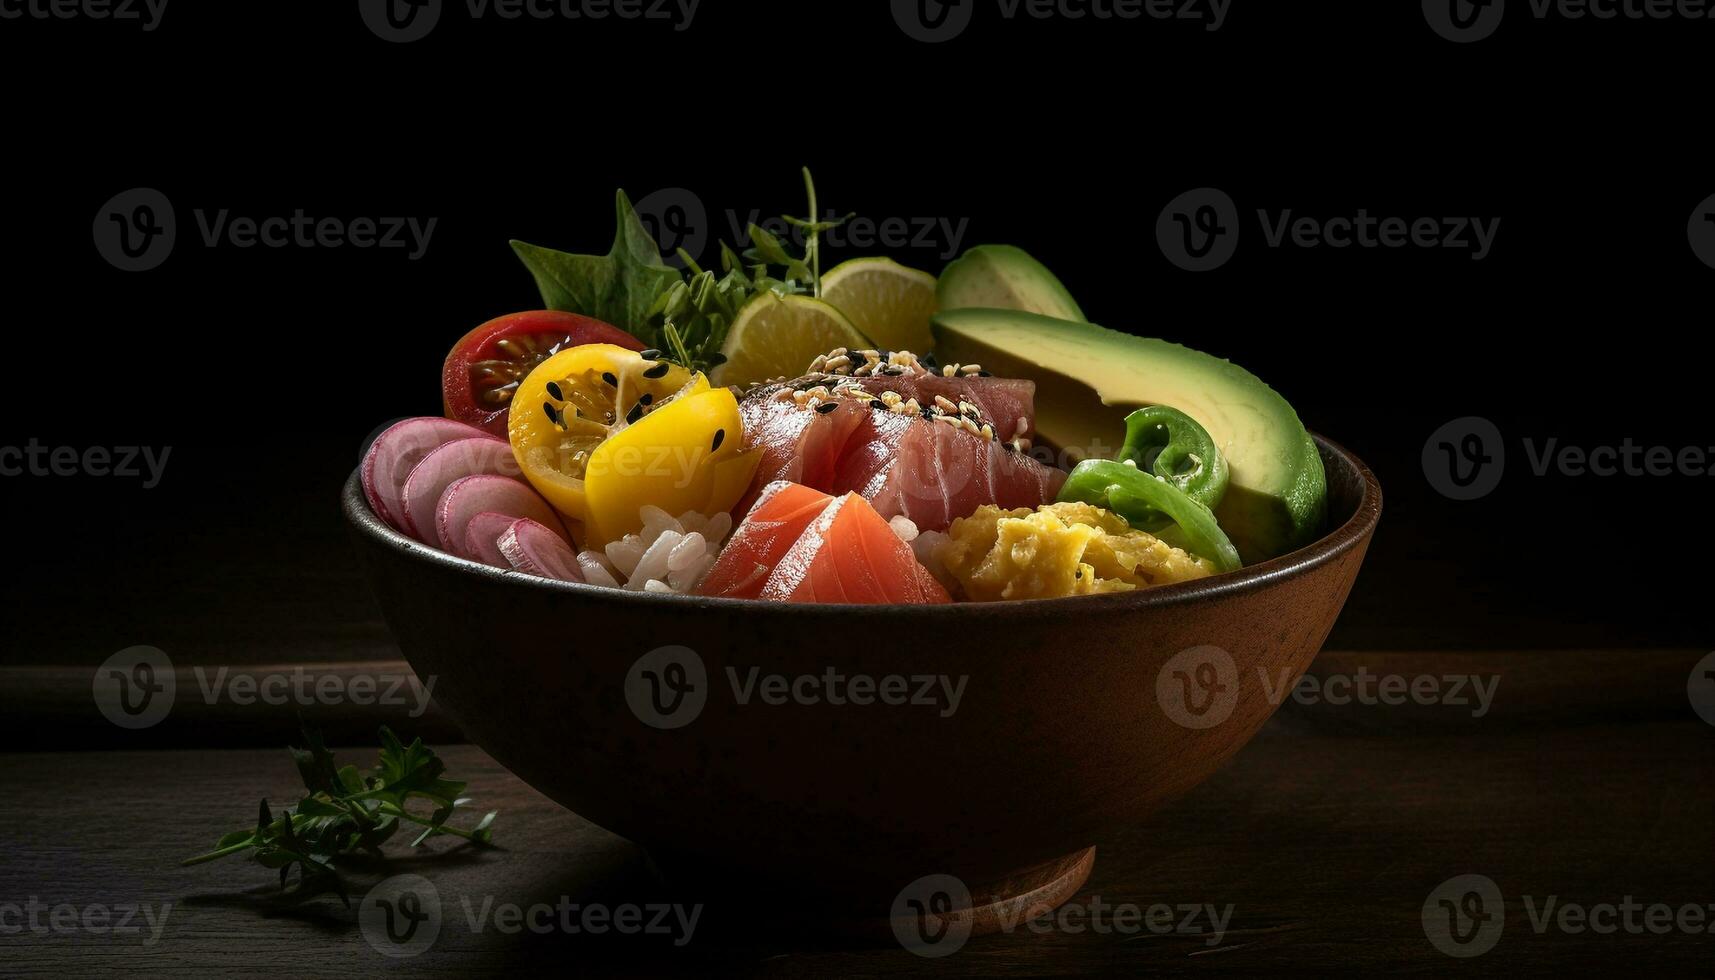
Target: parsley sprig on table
{"x": 346, "y": 811}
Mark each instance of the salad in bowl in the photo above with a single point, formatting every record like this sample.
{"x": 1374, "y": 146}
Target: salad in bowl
{"x": 868, "y": 434}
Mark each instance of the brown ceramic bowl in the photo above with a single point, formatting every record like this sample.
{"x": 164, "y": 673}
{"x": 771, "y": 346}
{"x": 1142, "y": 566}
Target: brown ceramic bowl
{"x": 1077, "y": 716}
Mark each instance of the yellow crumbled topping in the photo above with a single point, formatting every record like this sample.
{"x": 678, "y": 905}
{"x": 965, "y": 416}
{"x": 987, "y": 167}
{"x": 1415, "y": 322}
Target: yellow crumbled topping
{"x": 1058, "y": 550}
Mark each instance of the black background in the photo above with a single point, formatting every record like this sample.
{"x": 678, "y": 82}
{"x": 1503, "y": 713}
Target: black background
{"x": 265, "y": 369}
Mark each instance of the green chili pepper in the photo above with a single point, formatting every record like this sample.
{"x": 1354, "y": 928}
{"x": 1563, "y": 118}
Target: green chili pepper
{"x": 1170, "y": 444}
{"x": 1175, "y": 477}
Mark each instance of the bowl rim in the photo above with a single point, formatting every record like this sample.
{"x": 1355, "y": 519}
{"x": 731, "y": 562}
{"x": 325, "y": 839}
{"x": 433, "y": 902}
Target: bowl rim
{"x": 1325, "y": 549}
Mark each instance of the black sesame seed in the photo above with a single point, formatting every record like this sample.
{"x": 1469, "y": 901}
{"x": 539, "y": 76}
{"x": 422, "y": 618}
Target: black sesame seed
{"x": 720, "y": 437}
{"x": 650, "y": 355}
{"x": 554, "y": 389}
{"x": 659, "y": 370}
{"x": 647, "y": 399}
{"x": 827, "y": 407}
{"x": 553, "y": 416}
{"x": 985, "y": 374}
{"x": 612, "y": 381}
{"x": 636, "y": 413}
{"x": 877, "y": 403}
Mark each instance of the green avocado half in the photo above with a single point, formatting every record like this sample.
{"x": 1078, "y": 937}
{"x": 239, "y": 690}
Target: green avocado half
{"x": 1003, "y": 277}
{"x": 1088, "y": 378}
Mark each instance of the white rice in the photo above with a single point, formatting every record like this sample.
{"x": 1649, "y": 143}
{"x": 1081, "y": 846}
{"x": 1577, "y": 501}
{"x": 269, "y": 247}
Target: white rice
{"x": 925, "y": 546}
{"x": 670, "y": 555}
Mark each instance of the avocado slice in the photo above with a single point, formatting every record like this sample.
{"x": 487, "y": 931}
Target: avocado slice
{"x": 1002, "y": 277}
{"x": 1088, "y": 378}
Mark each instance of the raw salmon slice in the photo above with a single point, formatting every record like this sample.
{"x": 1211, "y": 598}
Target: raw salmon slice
{"x": 772, "y": 526}
{"x": 849, "y": 554}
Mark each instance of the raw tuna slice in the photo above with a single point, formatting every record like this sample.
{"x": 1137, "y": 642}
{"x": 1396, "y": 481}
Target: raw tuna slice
{"x": 928, "y": 467}
{"x": 768, "y": 531}
{"x": 1005, "y": 402}
{"x": 849, "y": 554}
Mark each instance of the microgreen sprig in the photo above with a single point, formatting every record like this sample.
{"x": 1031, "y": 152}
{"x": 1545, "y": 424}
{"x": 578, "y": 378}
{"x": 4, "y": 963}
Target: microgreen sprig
{"x": 346, "y": 811}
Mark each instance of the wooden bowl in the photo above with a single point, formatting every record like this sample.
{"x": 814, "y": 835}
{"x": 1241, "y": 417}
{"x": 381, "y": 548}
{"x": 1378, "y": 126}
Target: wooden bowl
{"x": 1075, "y": 716}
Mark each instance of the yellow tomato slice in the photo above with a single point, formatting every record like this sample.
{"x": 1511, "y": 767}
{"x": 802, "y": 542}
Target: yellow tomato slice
{"x": 687, "y": 455}
{"x": 574, "y": 402}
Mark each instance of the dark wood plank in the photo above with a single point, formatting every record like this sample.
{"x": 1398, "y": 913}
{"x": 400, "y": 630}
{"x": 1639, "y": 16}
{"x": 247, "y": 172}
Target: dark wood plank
{"x": 1326, "y": 845}
{"x": 53, "y": 707}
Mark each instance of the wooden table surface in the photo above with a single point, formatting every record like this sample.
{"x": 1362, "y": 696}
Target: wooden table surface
{"x": 1325, "y": 838}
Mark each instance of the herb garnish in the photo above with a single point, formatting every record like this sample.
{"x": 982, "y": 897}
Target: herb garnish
{"x": 685, "y": 314}
{"x": 347, "y": 811}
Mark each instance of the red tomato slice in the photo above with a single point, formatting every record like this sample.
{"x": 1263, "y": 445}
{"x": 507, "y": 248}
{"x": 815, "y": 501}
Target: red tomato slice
{"x": 484, "y": 368}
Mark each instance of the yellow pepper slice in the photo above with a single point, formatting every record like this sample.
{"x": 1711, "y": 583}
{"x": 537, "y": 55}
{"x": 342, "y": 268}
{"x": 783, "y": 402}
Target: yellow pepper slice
{"x": 569, "y": 406}
{"x": 687, "y": 455}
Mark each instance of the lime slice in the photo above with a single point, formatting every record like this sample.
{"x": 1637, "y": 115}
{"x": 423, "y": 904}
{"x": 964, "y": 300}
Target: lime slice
{"x": 778, "y": 336}
{"x": 888, "y": 301}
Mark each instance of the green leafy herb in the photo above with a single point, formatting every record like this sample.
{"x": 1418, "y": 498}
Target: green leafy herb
{"x": 686, "y": 314}
{"x": 346, "y": 811}
{"x": 617, "y": 288}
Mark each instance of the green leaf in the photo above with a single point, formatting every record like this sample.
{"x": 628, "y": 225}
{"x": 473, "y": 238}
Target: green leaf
{"x": 617, "y": 288}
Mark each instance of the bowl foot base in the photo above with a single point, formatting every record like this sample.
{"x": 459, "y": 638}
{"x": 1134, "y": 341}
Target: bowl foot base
{"x": 1007, "y": 905}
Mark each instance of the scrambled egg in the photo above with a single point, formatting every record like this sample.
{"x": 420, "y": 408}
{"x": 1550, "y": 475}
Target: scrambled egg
{"x": 1058, "y": 550}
